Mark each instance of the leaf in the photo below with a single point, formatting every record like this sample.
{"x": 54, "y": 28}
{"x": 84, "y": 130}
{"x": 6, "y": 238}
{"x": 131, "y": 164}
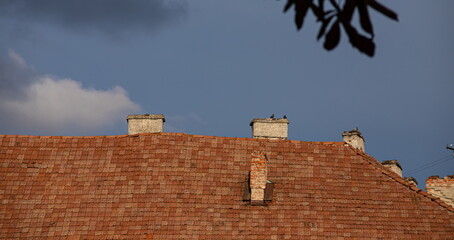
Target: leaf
{"x": 322, "y": 30}
{"x": 288, "y": 5}
{"x": 347, "y": 10}
{"x": 363, "y": 44}
{"x": 364, "y": 18}
{"x": 382, "y": 9}
{"x": 321, "y": 4}
{"x": 318, "y": 12}
{"x": 332, "y": 37}
{"x": 301, "y": 7}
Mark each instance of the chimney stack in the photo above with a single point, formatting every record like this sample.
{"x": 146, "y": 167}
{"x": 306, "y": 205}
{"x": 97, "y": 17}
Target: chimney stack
{"x": 411, "y": 180}
{"x": 258, "y": 177}
{"x": 354, "y": 138}
{"x": 258, "y": 190}
{"x": 145, "y": 123}
{"x": 394, "y": 166}
{"x": 270, "y": 128}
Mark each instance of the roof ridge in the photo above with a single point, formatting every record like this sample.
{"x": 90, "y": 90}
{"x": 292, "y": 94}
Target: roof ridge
{"x": 45, "y": 137}
{"x": 177, "y": 133}
{"x": 397, "y": 178}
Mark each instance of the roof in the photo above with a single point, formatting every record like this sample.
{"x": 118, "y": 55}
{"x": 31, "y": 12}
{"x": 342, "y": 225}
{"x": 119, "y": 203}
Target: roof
{"x": 180, "y": 186}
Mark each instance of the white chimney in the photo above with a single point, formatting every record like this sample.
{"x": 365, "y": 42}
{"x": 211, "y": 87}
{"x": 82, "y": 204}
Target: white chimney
{"x": 145, "y": 123}
{"x": 411, "y": 180}
{"x": 354, "y": 138}
{"x": 270, "y": 128}
{"x": 394, "y": 166}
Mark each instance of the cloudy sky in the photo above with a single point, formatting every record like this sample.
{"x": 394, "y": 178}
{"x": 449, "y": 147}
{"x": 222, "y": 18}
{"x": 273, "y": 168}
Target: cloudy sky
{"x": 79, "y": 67}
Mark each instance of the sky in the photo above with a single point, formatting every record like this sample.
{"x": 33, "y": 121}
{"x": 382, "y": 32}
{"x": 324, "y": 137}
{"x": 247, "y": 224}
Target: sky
{"x": 76, "y": 68}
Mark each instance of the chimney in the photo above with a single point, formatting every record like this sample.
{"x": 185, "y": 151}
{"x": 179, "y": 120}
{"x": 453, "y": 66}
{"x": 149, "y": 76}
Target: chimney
{"x": 145, "y": 123}
{"x": 258, "y": 190}
{"x": 442, "y": 188}
{"x": 270, "y": 128}
{"x": 354, "y": 138}
{"x": 411, "y": 180}
{"x": 394, "y": 166}
{"x": 258, "y": 176}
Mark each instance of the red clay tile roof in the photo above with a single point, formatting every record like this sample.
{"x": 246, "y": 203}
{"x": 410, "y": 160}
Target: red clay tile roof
{"x": 179, "y": 186}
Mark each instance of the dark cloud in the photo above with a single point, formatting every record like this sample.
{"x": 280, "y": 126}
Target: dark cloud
{"x": 106, "y": 16}
{"x": 14, "y": 76}
{"x": 42, "y": 104}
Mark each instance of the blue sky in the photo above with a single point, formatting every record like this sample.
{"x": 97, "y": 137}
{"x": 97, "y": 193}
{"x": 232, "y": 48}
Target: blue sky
{"x": 210, "y": 66}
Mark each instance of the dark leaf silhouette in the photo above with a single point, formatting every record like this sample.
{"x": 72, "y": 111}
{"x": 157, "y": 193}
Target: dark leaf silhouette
{"x": 364, "y": 18}
{"x": 318, "y": 12}
{"x": 382, "y": 9}
{"x": 342, "y": 15}
{"x": 364, "y": 44}
{"x": 321, "y": 4}
{"x": 347, "y": 11}
{"x": 322, "y": 30}
{"x": 333, "y": 37}
{"x": 288, "y": 5}
{"x": 301, "y": 8}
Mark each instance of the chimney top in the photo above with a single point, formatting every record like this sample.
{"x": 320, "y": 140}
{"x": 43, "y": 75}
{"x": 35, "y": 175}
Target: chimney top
{"x": 411, "y": 180}
{"x": 146, "y": 116}
{"x": 270, "y": 128}
{"x": 393, "y": 165}
{"x": 145, "y": 123}
{"x": 269, "y": 120}
{"x": 354, "y": 138}
{"x": 391, "y": 162}
{"x": 355, "y": 131}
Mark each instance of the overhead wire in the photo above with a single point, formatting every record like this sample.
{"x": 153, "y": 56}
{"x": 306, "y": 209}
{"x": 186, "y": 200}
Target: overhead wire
{"x": 429, "y": 165}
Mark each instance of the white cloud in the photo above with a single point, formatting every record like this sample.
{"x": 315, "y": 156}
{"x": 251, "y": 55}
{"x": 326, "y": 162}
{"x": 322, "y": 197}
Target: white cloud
{"x": 52, "y": 105}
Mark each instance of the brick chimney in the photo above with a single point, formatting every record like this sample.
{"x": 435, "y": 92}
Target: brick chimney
{"x": 145, "y": 123}
{"x": 270, "y": 128}
{"x": 354, "y": 138}
{"x": 258, "y": 190}
{"x": 394, "y": 166}
{"x": 442, "y": 188}
{"x": 258, "y": 176}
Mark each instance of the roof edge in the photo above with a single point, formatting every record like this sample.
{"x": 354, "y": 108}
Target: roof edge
{"x": 175, "y": 134}
{"x": 398, "y": 179}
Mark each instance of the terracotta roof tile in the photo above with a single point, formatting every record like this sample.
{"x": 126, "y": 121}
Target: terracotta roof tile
{"x": 180, "y": 186}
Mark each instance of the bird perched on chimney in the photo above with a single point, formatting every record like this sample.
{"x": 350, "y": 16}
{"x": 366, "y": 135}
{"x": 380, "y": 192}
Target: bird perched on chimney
{"x": 272, "y": 116}
{"x": 284, "y": 117}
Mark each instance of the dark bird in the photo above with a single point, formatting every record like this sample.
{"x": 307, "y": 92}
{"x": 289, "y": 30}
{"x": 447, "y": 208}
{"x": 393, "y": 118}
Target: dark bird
{"x": 284, "y": 117}
{"x": 272, "y": 116}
